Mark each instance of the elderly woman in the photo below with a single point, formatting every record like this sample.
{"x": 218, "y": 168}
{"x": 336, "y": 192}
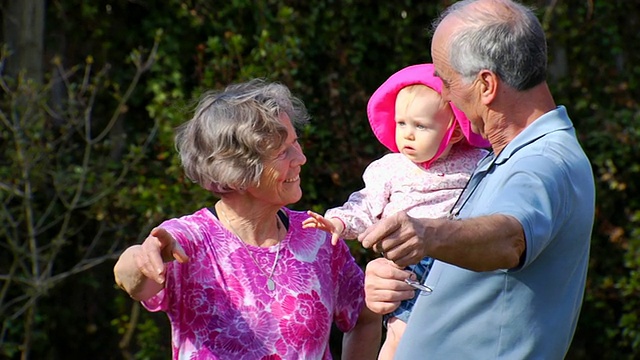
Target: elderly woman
{"x": 242, "y": 279}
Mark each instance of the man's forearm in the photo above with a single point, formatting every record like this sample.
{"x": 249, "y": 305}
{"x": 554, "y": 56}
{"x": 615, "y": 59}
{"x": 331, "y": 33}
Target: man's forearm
{"x": 484, "y": 243}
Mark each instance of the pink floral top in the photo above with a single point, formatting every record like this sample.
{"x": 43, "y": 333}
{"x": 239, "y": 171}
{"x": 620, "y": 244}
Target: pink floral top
{"x": 394, "y": 183}
{"x": 219, "y": 305}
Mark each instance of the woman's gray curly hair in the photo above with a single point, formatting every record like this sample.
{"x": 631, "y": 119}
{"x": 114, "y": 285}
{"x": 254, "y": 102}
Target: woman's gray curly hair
{"x": 224, "y": 146}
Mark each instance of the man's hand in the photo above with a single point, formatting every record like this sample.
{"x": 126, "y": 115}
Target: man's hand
{"x": 399, "y": 237}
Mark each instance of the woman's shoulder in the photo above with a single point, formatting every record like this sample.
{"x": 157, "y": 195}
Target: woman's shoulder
{"x": 310, "y": 237}
{"x": 183, "y": 227}
{"x": 293, "y": 219}
{"x": 201, "y": 216}
{"x": 304, "y": 243}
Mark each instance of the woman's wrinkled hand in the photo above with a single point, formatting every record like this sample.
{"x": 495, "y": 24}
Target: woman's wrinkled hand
{"x": 156, "y": 250}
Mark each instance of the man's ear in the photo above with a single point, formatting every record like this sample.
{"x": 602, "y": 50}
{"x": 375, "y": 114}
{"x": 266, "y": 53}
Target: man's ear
{"x": 488, "y": 86}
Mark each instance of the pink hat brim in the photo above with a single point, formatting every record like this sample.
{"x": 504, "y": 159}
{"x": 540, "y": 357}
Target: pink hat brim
{"x": 381, "y": 108}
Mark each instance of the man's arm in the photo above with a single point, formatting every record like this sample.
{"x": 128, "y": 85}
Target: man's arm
{"x": 480, "y": 244}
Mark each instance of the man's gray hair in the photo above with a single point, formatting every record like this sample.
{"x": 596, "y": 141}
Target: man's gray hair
{"x": 505, "y": 38}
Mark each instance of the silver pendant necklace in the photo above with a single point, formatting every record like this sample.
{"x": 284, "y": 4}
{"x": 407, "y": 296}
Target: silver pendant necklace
{"x": 271, "y": 285}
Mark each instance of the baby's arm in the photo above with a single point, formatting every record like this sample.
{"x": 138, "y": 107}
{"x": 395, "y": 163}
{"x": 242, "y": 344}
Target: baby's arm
{"x": 333, "y": 225}
{"x": 363, "y": 208}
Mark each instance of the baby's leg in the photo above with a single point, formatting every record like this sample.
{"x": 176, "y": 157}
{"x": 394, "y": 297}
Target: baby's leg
{"x": 395, "y": 329}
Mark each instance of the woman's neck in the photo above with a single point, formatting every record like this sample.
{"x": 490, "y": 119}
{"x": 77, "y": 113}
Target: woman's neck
{"x": 257, "y": 226}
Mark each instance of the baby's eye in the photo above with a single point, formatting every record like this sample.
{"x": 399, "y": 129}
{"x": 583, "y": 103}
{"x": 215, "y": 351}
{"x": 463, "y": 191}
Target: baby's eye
{"x": 420, "y": 127}
{"x": 400, "y": 123}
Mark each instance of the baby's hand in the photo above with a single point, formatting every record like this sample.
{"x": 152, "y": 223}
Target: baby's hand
{"x": 332, "y": 226}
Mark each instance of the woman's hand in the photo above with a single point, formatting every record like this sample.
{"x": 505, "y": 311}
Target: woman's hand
{"x": 140, "y": 270}
{"x": 158, "y": 248}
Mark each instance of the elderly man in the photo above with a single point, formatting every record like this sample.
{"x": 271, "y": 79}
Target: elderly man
{"x": 511, "y": 261}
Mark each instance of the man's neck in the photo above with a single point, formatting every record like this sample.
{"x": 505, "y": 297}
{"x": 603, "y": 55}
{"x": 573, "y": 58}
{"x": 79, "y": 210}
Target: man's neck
{"x": 515, "y": 112}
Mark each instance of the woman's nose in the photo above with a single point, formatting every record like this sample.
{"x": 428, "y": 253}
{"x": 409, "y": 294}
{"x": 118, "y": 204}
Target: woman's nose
{"x": 299, "y": 157}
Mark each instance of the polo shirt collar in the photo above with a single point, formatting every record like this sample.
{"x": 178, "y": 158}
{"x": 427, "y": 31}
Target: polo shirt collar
{"x": 554, "y": 120}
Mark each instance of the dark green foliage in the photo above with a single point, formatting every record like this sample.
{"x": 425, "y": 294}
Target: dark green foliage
{"x": 333, "y": 55}
{"x": 600, "y": 90}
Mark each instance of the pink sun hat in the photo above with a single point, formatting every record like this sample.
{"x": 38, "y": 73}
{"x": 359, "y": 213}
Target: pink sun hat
{"x": 381, "y": 108}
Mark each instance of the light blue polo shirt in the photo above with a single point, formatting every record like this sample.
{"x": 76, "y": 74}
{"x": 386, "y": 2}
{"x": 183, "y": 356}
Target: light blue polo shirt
{"x": 543, "y": 179}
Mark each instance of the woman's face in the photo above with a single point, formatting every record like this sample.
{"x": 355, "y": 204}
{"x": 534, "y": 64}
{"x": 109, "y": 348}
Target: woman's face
{"x": 280, "y": 180}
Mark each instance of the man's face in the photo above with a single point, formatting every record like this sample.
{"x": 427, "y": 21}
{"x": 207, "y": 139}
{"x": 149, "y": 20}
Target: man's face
{"x": 464, "y": 96}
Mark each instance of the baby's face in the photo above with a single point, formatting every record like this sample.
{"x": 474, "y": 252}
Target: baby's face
{"x": 422, "y": 119}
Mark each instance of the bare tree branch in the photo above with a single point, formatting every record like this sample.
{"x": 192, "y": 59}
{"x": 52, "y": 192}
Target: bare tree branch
{"x": 51, "y": 183}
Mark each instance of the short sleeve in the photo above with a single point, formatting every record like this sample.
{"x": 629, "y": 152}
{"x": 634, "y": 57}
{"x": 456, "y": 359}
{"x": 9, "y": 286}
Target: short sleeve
{"x": 535, "y": 198}
{"x": 185, "y": 236}
{"x": 349, "y": 291}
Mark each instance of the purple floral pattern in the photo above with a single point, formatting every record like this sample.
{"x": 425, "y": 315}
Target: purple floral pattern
{"x": 219, "y": 305}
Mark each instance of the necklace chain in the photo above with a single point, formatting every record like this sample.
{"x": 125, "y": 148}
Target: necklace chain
{"x": 271, "y": 284}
